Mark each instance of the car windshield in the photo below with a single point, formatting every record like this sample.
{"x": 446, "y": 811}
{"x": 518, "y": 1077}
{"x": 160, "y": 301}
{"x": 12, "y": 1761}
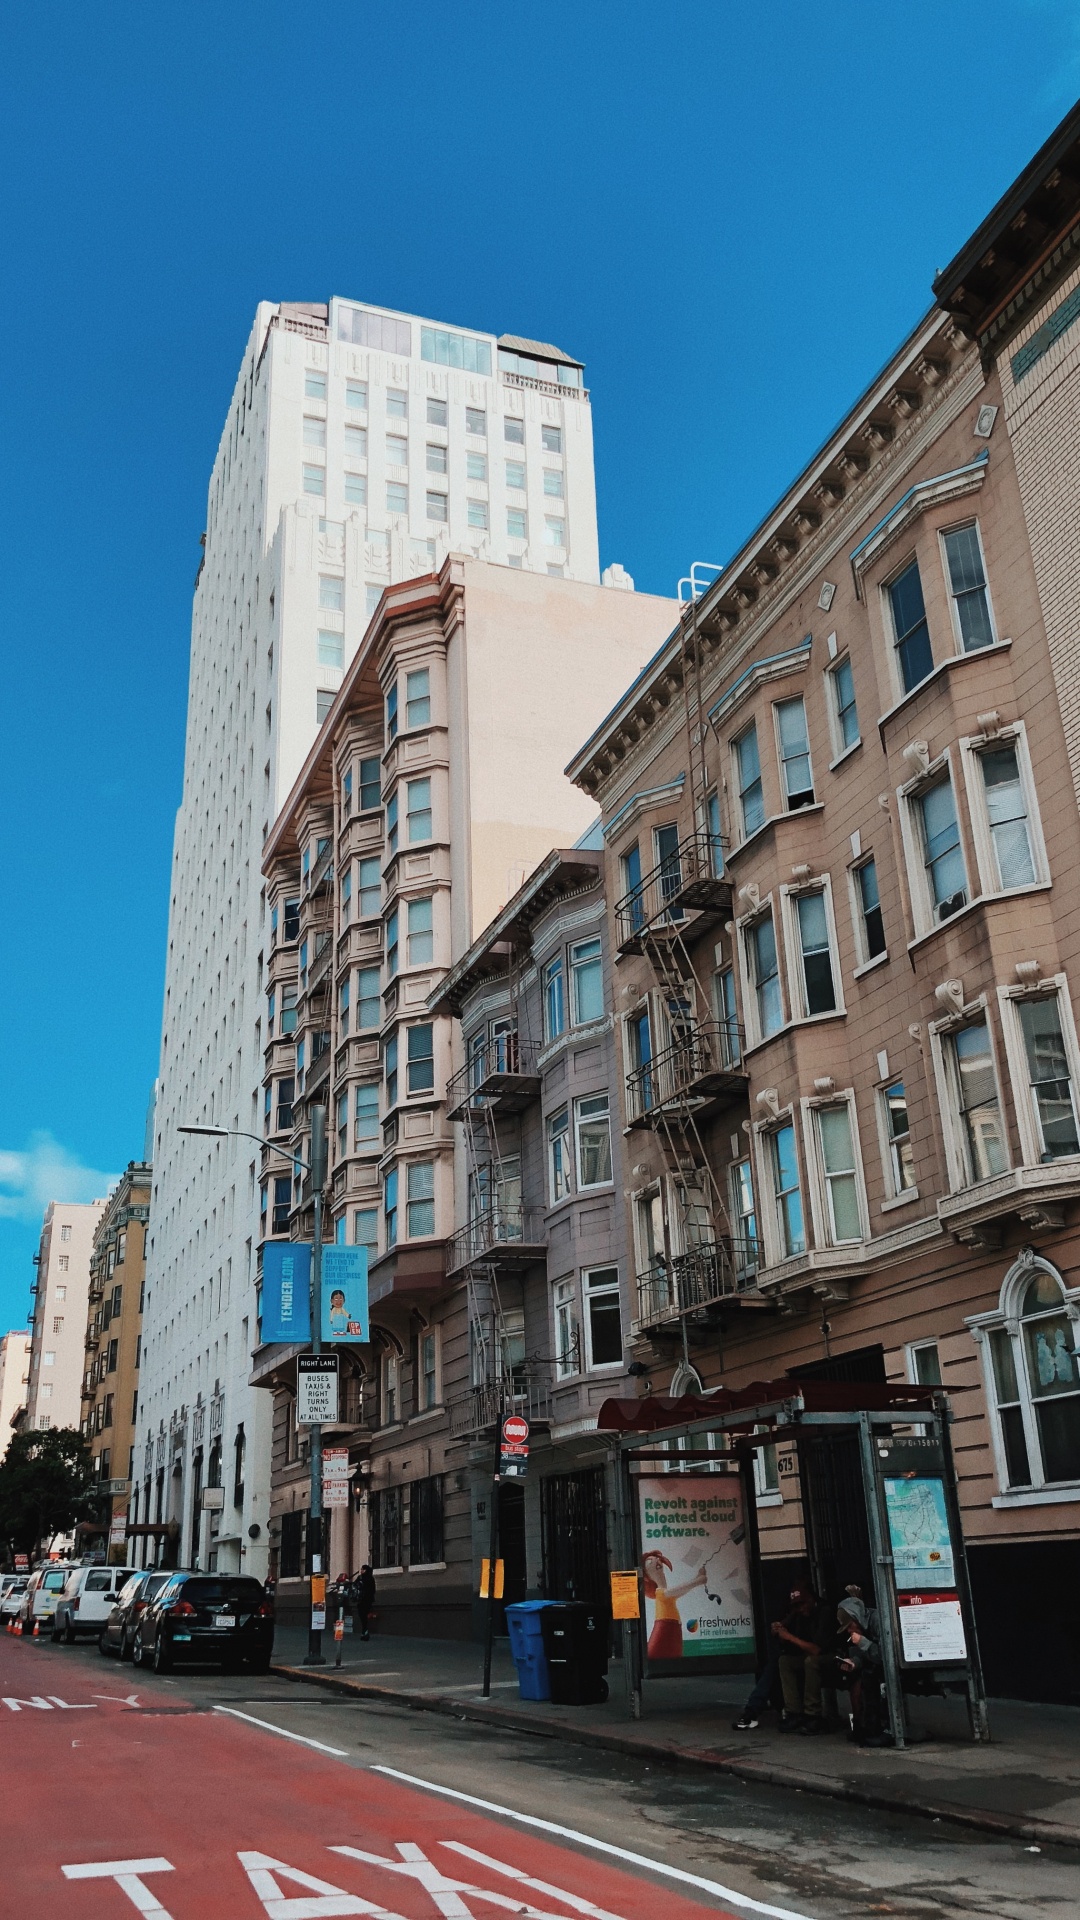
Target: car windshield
{"x": 215, "y": 1593}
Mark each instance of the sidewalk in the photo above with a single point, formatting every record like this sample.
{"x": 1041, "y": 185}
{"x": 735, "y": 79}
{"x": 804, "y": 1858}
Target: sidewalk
{"x": 1025, "y": 1783}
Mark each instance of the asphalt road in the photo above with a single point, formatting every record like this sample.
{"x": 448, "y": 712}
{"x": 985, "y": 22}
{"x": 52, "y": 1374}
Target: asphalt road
{"x": 246, "y": 1796}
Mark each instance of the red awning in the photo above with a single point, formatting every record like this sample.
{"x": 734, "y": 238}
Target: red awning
{"x": 763, "y": 1400}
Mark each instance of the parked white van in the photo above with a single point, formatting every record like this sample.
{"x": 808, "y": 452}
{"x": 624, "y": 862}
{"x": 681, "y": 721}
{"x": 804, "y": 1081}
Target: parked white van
{"x": 87, "y": 1600}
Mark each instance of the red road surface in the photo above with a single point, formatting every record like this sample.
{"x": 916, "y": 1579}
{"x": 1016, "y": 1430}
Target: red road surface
{"x": 113, "y": 1771}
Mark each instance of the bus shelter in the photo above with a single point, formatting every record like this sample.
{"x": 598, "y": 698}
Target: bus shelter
{"x": 876, "y": 1503}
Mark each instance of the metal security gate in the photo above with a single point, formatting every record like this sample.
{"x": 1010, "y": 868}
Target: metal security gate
{"x": 573, "y": 1524}
{"x": 835, "y": 1507}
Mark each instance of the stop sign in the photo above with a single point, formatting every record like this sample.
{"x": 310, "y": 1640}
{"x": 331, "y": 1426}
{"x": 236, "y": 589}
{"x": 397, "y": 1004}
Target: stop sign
{"x": 515, "y": 1431}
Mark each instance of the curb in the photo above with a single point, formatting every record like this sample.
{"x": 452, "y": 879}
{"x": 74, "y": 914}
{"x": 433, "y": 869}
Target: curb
{"x": 999, "y": 1826}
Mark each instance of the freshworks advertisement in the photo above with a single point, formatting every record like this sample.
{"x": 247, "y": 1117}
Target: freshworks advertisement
{"x": 696, "y": 1569}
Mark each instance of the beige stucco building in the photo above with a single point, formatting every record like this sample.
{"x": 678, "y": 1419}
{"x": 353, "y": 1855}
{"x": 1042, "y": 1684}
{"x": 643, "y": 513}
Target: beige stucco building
{"x": 840, "y": 811}
{"x": 435, "y": 785}
{"x": 58, "y": 1329}
{"x": 14, "y": 1381}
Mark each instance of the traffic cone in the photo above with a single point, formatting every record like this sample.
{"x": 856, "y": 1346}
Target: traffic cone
{"x": 18, "y": 1626}
{"x": 37, "y": 1630}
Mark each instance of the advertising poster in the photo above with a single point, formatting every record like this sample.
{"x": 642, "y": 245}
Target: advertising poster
{"x": 919, "y": 1532}
{"x": 931, "y": 1627}
{"x": 285, "y": 1301}
{"x": 695, "y": 1569}
{"x": 344, "y": 1295}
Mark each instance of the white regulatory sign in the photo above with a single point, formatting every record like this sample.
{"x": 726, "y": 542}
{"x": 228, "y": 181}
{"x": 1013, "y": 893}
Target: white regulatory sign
{"x": 316, "y": 1388}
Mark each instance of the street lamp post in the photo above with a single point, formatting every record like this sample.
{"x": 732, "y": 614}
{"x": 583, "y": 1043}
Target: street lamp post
{"x": 317, "y": 1170}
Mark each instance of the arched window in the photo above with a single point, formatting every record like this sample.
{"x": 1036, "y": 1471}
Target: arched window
{"x": 1034, "y": 1378}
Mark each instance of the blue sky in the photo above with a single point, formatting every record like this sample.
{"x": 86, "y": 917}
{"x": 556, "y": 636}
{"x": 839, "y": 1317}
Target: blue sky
{"x": 731, "y": 214}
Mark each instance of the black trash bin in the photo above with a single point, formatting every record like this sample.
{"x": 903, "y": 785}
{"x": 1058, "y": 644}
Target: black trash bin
{"x": 576, "y": 1645}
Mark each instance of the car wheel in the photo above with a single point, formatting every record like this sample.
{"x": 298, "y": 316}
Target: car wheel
{"x": 162, "y": 1660}
{"x": 127, "y": 1648}
{"x": 103, "y": 1642}
{"x": 138, "y": 1651}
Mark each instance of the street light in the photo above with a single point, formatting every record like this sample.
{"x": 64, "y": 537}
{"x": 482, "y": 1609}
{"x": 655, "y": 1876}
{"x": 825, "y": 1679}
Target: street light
{"x": 317, "y": 1170}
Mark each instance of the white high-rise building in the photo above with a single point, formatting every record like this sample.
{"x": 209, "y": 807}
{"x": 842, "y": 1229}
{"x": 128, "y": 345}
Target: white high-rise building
{"x": 361, "y": 446}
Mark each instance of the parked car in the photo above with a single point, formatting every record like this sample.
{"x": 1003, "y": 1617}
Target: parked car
{"x": 13, "y": 1596}
{"x": 225, "y": 1618}
{"x": 87, "y": 1599}
{"x": 43, "y": 1590}
{"x": 118, "y": 1633}
{"x": 7, "y": 1580}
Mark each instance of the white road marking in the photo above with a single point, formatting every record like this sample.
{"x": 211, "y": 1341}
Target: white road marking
{"x": 447, "y": 1894}
{"x": 35, "y": 1700}
{"x": 600, "y": 1846}
{"x": 127, "y": 1874}
{"x": 574, "y": 1900}
{"x": 73, "y": 1706}
{"x": 121, "y": 1699}
{"x": 261, "y": 1869}
{"x": 340, "y": 1753}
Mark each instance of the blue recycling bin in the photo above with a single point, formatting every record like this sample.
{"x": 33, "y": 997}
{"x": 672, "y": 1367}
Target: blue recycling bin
{"x": 527, "y": 1648}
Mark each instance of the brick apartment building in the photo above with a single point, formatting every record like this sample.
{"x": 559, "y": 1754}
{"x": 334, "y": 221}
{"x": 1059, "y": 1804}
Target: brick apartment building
{"x": 840, "y": 810}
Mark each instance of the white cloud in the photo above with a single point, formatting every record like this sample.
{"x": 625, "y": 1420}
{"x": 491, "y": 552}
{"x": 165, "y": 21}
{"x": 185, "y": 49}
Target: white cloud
{"x": 45, "y": 1171}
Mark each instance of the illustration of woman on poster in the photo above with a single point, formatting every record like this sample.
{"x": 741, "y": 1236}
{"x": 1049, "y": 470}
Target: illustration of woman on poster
{"x": 666, "y": 1638}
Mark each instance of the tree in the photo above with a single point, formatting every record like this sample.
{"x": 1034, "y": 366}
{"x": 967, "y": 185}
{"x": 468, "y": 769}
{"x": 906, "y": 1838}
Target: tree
{"x": 45, "y": 1486}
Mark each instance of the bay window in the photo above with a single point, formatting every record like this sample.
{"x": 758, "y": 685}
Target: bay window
{"x": 911, "y": 634}
{"x": 1007, "y": 815}
{"x": 977, "y": 1105}
{"x": 787, "y": 1195}
{"x": 592, "y": 1125}
{"x": 967, "y": 585}
{"x": 603, "y": 1317}
{"x": 1034, "y": 1379}
{"x": 1048, "y": 1073}
{"x": 943, "y": 857}
{"x": 748, "y": 780}
{"x": 554, "y": 998}
{"x": 764, "y": 967}
{"x": 817, "y": 985}
{"x": 558, "y": 1133}
{"x": 794, "y": 742}
{"x": 839, "y": 1173}
{"x": 587, "y": 981}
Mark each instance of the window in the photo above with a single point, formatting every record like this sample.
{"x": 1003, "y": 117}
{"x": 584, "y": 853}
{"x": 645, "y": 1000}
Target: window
{"x": 1050, "y": 1086}
{"x": 366, "y": 1228}
{"x": 716, "y": 838}
{"x": 65, "y": 1233}
{"x": 639, "y": 1041}
{"x": 285, "y": 1091}
{"x": 553, "y": 482}
{"x": 314, "y": 480}
{"x": 977, "y": 1104}
{"x": 843, "y": 1209}
{"x": 282, "y": 1203}
{"x": 967, "y": 583}
{"x": 592, "y": 1125}
{"x": 392, "y": 947}
{"x": 727, "y": 1016}
{"x": 910, "y": 631}
{"x": 603, "y": 1317}
{"x": 418, "y": 810}
{"x": 1037, "y": 1388}
{"x": 515, "y": 475}
{"x": 346, "y": 792}
{"x": 369, "y": 890}
{"x": 390, "y": 1207}
{"x": 356, "y": 443}
{"x": 370, "y": 785}
{"x": 60, "y": 1292}
{"x": 392, "y": 820}
{"x": 421, "y": 1195}
{"x": 476, "y": 466}
{"x": 631, "y": 878}
{"x": 564, "y": 1300}
{"x": 356, "y": 395}
{"x": 314, "y": 431}
{"x": 871, "y": 925}
{"x": 366, "y": 1116}
{"x": 48, "y": 1359}
{"x": 397, "y": 403}
{"x": 343, "y": 1008}
{"x": 397, "y": 450}
{"x": 421, "y": 936}
{"x": 418, "y": 698}
{"x": 436, "y": 412}
{"x": 748, "y": 775}
{"x": 435, "y": 458}
{"x": 898, "y": 1138}
{"x": 842, "y": 682}
{"x": 765, "y": 976}
{"x": 586, "y": 981}
{"x": 437, "y": 506}
{"x": 787, "y": 1198}
{"x": 943, "y": 856}
{"x": 1007, "y": 816}
{"x": 554, "y": 533}
{"x": 514, "y": 431}
{"x": 421, "y": 1058}
{"x": 924, "y": 1364}
{"x": 63, "y": 1261}
{"x": 426, "y": 1516}
{"x": 331, "y": 648}
{"x": 558, "y": 1131}
{"x": 447, "y": 349}
{"x": 368, "y": 1003}
{"x": 477, "y": 514}
{"x": 516, "y": 523}
{"x": 744, "y": 1217}
{"x": 397, "y": 497}
{"x": 342, "y": 1125}
{"x": 818, "y": 986}
{"x": 554, "y": 998}
{"x": 794, "y": 753}
{"x": 58, "y": 1323}
{"x": 332, "y": 592}
{"x": 476, "y": 421}
{"x": 551, "y": 439}
{"x": 314, "y": 386}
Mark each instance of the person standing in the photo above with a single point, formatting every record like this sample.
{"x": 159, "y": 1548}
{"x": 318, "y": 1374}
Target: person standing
{"x": 364, "y": 1589}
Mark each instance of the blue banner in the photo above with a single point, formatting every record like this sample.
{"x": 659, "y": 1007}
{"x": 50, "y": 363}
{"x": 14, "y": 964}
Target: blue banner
{"x": 285, "y": 1311}
{"x": 344, "y": 1295}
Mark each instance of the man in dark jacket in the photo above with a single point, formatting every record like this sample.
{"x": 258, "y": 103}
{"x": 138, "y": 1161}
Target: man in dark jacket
{"x": 806, "y": 1635}
{"x": 364, "y": 1589}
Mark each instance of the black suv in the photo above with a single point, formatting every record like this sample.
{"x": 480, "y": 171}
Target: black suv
{"x": 221, "y": 1618}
